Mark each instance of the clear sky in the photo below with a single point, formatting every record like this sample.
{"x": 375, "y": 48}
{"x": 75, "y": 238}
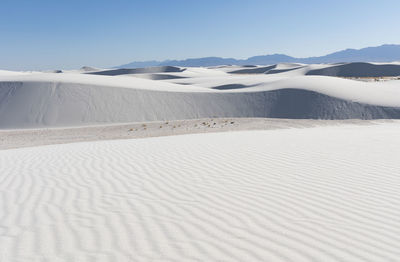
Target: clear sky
{"x": 64, "y": 34}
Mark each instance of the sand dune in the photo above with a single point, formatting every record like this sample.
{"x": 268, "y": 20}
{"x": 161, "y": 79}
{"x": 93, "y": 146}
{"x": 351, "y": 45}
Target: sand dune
{"x": 358, "y": 70}
{"x": 30, "y": 100}
{"x": 158, "y": 76}
{"x": 25, "y": 106}
{"x": 257, "y": 70}
{"x": 319, "y": 194}
{"x": 339, "y": 69}
{"x": 230, "y": 86}
{"x": 157, "y": 69}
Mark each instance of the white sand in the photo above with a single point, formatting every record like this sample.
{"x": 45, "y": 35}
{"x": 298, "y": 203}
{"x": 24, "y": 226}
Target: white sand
{"x": 76, "y": 98}
{"x": 17, "y": 138}
{"x": 314, "y": 194}
{"x": 314, "y": 190}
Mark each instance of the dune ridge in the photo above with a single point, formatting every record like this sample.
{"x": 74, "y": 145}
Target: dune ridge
{"x": 72, "y": 105}
{"x": 358, "y": 70}
{"x": 73, "y": 98}
{"x": 125, "y": 71}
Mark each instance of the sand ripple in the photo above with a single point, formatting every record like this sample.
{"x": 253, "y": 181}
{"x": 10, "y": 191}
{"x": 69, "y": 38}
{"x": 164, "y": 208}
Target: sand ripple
{"x": 318, "y": 194}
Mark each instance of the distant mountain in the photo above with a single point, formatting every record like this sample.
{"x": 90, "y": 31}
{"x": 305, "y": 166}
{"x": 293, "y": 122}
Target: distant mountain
{"x": 383, "y": 53}
{"x": 205, "y": 61}
{"x": 140, "y": 64}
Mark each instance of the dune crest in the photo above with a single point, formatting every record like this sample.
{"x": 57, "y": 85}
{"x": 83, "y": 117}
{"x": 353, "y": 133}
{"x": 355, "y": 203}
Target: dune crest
{"x": 29, "y": 100}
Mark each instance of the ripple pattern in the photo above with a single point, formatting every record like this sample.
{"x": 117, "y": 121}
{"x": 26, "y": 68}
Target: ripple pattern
{"x": 317, "y": 194}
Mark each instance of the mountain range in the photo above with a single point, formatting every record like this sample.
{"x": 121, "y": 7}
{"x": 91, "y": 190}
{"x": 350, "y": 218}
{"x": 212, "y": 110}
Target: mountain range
{"x": 383, "y": 53}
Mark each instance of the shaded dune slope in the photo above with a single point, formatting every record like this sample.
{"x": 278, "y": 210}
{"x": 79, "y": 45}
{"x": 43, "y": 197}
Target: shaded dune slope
{"x": 358, "y": 70}
{"x": 147, "y": 70}
{"x": 66, "y": 104}
{"x": 231, "y": 86}
{"x": 257, "y": 70}
{"x": 159, "y": 76}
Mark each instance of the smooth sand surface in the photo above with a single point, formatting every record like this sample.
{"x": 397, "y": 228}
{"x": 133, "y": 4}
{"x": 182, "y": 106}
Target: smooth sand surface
{"x": 46, "y": 136}
{"x": 328, "y": 193}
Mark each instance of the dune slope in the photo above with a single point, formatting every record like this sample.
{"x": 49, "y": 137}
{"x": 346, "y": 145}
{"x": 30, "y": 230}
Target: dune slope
{"x": 66, "y": 104}
{"x": 30, "y": 100}
{"x": 359, "y": 70}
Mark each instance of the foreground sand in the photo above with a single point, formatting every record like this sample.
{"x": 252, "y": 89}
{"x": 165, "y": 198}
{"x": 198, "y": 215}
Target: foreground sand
{"x": 301, "y": 194}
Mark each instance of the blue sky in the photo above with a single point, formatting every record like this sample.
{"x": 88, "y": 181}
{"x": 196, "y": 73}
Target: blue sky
{"x": 66, "y": 34}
